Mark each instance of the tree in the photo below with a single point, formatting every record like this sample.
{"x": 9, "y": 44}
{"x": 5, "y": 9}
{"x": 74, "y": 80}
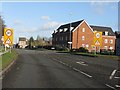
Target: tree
{"x": 31, "y": 42}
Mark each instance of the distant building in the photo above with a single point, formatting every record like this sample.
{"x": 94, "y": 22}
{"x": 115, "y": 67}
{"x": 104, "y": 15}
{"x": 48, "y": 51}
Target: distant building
{"x": 22, "y": 42}
{"x": 82, "y": 35}
{"x": 117, "y": 43}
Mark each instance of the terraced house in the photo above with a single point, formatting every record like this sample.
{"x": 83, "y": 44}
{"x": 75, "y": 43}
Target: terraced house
{"x": 82, "y": 35}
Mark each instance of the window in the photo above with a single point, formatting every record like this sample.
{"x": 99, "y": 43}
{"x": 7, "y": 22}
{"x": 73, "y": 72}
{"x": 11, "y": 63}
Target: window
{"x": 87, "y": 45}
{"x": 111, "y": 41}
{"x": 105, "y": 47}
{"x": 106, "y": 41}
{"x": 83, "y": 37}
{"x": 83, "y": 45}
{"x": 65, "y": 29}
{"x": 62, "y": 38}
{"x": 111, "y": 48}
{"x": 56, "y": 39}
{"x": 60, "y": 30}
{"x": 106, "y": 33}
{"x": 72, "y": 28}
{"x": 83, "y": 30}
{"x": 66, "y": 38}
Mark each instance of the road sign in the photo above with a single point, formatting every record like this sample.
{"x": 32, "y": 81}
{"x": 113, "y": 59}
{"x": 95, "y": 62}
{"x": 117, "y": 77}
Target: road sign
{"x": 69, "y": 42}
{"x": 8, "y": 36}
{"x": 97, "y": 39}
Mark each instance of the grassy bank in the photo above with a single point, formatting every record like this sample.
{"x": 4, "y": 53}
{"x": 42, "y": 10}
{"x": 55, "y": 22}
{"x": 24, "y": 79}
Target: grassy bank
{"x": 7, "y": 58}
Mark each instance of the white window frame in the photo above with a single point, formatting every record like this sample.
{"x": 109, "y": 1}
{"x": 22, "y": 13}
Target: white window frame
{"x": 111, "y": 48}
{"x": 83, "y": 29}
{"x": 106, "y": 33}
{"x": 87, "y": 45}
{"x": 106, "y": 40}
{"x": 65, "y": 29}
{"x": 83, "y": 45}
{"x": 106, "y": 47}
{"x": 71, "y": 28}
{"x": 111, "y": 41}
{"x": 83, "y": 37}
{"x": 60, "y": 30}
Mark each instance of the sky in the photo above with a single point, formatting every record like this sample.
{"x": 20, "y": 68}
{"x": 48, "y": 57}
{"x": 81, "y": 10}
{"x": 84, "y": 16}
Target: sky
{"x": 42, "y": 18}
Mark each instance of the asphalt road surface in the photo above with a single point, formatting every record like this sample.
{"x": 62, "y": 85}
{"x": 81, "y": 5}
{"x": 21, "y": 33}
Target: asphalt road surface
{"x": 48, "y": 69}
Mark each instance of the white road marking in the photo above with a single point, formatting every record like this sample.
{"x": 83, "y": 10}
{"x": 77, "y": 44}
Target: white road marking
{"x": 82, "y": 63}
{"x": 112, "y": 74}
{"x": 110, "y": 86}
{"x": 116, "y": 77}
{"x": 82, "y": 72}
{"x": 75, "y": 69}
{"x": 117, "y": 86}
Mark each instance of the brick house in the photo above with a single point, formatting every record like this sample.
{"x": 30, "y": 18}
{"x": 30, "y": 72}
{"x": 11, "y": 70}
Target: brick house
{"x": 117, "y": 43}
{"x": 82, "y": 35}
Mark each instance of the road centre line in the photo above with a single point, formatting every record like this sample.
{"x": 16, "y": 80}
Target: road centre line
{"x": 110, "y": 86}
{"x": 74, "y": 68}
{"x": 82, "y": 72}
{"x": 116, "y": 77}
{"x": 112, "y": 74}
{"x": 117, "y": 86}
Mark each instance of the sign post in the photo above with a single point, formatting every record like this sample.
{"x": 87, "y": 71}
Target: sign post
{"x": 8, "y": 37}
{"x": 97, "y": 40}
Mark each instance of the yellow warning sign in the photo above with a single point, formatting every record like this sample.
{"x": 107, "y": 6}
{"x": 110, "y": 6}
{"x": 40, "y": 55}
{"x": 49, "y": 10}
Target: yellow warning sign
{"x": 97, "y": 39}
{"x": 8, "y": 36}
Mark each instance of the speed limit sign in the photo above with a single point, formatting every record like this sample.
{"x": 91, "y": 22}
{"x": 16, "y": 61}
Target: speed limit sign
{"x": 8, "y": 36}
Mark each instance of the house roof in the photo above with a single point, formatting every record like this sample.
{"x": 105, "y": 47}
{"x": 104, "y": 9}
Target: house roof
{"x": 117, "y": 33}
{"x": 22, "y": 39}
{"x": 103, "y": 29}
{"x": 95, "y": 28}
{"x": 73, "y": 24}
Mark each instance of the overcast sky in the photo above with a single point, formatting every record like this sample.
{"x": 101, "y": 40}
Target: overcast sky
{"x": 42, "y": 18}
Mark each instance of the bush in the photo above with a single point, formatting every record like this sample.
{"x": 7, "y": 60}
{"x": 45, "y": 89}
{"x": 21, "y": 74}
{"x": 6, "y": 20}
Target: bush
{"x": 60, "y": 48}
{"x": 106, "y": 52}
{"x": 82, "y": 49}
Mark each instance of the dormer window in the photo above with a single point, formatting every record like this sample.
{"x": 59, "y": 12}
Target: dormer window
{"x": 60, "y": 30}
{"x": 106, "y": 33}
{"x": 65, "y": 29}
{"x": 72, "y": 28}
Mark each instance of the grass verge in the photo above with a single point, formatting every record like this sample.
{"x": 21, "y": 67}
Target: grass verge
{"x": 7, "y": 58}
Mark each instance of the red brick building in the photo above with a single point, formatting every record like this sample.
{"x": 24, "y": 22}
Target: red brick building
{"x": 82, "y": 35}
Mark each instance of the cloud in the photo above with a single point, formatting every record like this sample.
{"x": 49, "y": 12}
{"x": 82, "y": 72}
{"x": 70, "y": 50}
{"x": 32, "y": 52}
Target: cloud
{"x": 50, "y": 25}
{"x": 45, "y": 17}
{"x": 99, "y": 7}
{"x": 17, "y": 22}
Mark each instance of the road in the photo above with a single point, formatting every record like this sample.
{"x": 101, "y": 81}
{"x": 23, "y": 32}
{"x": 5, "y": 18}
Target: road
{"x": 47, "y": 69}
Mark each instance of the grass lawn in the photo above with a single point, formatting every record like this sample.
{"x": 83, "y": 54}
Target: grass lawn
{"x": 7, "y": 58}
{"x": 91, "y": 55}
{"x": 97, "y": 55}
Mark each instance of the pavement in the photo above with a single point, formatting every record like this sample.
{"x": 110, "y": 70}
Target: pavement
{"x": 48, "y": 69}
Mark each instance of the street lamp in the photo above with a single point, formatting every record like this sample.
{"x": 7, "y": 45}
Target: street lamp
{"x": 70, "y": 42}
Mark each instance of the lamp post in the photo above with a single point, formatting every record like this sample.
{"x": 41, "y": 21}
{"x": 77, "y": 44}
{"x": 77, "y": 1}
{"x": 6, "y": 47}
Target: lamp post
{"x": 70, "y": 42}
